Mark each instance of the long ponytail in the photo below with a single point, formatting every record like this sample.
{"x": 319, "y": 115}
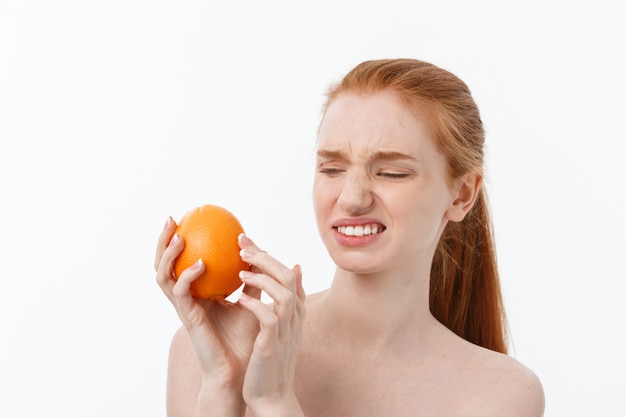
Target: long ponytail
{"x": 464, "y": 287}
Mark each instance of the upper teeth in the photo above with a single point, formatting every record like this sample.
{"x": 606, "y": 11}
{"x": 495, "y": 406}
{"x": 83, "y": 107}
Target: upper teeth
{"x": 367, "y": 229}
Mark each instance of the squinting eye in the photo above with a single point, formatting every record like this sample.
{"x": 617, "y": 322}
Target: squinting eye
{"x": 330, "y": 171}
{"x": 393, "y": 175}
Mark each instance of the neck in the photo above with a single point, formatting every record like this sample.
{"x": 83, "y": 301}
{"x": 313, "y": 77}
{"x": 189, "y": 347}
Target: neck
{"x": 377, "y": 310}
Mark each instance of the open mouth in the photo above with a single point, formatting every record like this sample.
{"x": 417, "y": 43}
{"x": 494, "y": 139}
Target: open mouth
{"x": 361, "y": 230}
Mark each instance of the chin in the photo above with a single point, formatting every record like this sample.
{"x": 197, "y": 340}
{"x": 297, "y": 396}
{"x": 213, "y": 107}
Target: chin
{"x": 357, "y": 263}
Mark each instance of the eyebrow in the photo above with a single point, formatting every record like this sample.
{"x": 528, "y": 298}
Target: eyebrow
{"x": 380, "y": 155}
{"x": 330, "y": 154}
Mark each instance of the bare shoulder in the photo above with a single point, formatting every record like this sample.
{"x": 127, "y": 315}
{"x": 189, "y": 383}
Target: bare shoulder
{"x": 183, "y": 376}
{"x": 311, "y": 299}
{"x": 181, "y": 353}
{"x": 503, "y": 385}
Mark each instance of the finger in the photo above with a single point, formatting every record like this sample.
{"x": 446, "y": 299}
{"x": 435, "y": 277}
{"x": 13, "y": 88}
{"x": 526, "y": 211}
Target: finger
{"x": 300, "y": 306}
{"x": 297, "y": 270}
{"x": 252, "y": 291}
{"x": 282, "y": 284}
{"x": 261, "y": 261}
{"x": 165, "y": 271}
{"x": 185, "y": 304}
{"x": 265, "y": 283}
{"x": 164, "y": 239}
{"x": 286, "y": 303}
{"x": 244, "y": 241}
{"x": 268, "y": 321}
{"x": 183, "y": 283}
{"x": 171, "y": 252}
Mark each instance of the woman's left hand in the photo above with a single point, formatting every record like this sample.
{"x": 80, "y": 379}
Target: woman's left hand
{"x": 268, "y": 387}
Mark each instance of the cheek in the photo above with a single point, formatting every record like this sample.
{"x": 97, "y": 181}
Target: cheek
{"x": 432, "y": 218}
{"x": 319, "y": 196}
{"x": 324, "y": 195}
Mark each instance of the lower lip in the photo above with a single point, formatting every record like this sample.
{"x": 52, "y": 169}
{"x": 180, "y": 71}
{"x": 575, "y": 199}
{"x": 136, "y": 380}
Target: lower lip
{"x": 355, "y": 241}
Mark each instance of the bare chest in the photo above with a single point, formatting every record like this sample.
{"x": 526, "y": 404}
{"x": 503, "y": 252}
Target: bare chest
{"x": 377, "y": 389}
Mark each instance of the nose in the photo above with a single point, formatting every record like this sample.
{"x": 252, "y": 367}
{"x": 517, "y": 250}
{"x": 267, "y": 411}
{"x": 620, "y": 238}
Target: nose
{"x": 356, "y": 195}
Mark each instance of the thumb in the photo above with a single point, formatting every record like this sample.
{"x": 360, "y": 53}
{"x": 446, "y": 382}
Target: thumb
{"x": 297, "y": 270}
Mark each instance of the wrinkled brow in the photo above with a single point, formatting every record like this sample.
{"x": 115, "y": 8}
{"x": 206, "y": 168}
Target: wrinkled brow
{"x": 333, "y": 155}
{"x": 391, "y": 156}
{"x": 379, "y": 156}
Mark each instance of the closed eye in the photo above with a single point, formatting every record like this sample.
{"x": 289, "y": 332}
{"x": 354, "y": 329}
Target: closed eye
{"x": 330, "y": 171}
{"x": 394, "y": 175}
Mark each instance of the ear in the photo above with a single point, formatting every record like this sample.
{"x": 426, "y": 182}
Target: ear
{"x": 465, "y": 189}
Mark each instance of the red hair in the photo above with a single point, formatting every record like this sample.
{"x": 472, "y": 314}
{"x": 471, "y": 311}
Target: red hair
{"x": 465, "y": 291}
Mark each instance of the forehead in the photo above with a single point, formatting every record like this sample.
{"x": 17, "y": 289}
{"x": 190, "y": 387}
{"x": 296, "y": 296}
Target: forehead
{"x": 370, "y": 123}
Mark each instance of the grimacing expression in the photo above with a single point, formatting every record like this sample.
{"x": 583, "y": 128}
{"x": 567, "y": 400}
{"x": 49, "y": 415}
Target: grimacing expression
{"x": 381, "y": 185}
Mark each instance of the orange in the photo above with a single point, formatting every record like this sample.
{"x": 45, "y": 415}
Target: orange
{"x": 210, "y": 232}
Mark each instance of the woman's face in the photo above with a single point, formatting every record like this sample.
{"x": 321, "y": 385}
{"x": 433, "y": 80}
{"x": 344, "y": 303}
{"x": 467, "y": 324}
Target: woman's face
{"x": 381, "y": 189}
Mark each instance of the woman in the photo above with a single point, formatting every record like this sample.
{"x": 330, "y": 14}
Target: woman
{"x": 413, "y": 323}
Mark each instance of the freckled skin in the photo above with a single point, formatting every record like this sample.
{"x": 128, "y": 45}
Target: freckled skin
{"x": 370, "y": 346}
{"x": 409, "y": 196}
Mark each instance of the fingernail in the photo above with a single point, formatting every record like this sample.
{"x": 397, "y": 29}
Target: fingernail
{"x": 168, "y": 222}
{"x": 244, "y": 240}
{"x": 245, "y": 254}
{"x": 174, "y": 239}
{"x": 243, "y": 274}
{"x": 196, "y": 265}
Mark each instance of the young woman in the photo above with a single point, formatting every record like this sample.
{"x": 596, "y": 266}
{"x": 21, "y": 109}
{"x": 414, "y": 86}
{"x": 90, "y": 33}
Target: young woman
{"x": 413, "y": 323}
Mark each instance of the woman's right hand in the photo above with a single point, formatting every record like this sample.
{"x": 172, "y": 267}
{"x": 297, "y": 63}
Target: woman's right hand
{"x": 222, "y": 333}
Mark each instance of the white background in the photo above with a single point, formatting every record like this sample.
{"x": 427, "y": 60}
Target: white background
{"x": 115, "y": 114}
